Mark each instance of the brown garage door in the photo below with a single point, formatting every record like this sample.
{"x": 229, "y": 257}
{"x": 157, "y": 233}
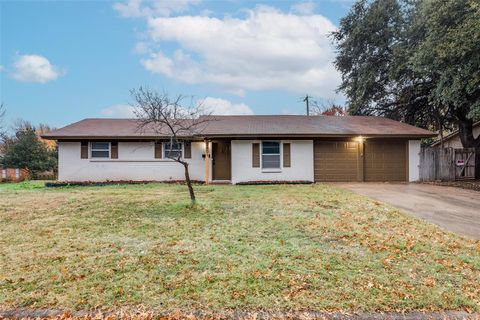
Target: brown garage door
{"x": 335, "y": 160}
{"x": 385, "y": 160}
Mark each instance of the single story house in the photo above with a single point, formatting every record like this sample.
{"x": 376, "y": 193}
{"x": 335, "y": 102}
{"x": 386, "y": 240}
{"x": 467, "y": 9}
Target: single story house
{"x": 452, "y": 140}
{"x": 239, "y": 149}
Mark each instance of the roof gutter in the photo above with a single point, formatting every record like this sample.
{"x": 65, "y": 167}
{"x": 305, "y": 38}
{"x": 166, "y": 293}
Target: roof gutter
{"x": 241, "y": 136}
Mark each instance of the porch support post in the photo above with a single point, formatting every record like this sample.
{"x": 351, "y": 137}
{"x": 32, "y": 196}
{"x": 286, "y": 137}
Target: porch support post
{"x": 361, "y": 160}
{"x": 207, "y": 162}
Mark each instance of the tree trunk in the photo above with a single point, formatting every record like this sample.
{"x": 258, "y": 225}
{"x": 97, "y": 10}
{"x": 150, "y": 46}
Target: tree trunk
{"x": 440, "y": 129}
{"x": 465, "y": 131}
{"x": 189, "y": 182}
{"x": 477, "y": 163}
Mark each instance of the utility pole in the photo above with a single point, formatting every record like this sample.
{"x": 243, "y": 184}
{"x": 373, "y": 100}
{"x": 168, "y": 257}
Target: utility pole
{"x": 307, "y": 102}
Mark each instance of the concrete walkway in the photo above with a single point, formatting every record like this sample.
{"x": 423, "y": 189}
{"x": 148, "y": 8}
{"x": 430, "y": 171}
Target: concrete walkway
{"x": 454, "y": 209}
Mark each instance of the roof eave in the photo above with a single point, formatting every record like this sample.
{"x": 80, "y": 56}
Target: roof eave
{"x": 416, "y": 136}
{"x": 259, "y": 135}
{"x": 76, "y": 138}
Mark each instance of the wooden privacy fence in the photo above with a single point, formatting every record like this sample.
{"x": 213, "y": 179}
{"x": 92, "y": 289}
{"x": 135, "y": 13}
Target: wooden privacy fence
{"x": 46, "y": 175}
{"x": 447, "y": 164}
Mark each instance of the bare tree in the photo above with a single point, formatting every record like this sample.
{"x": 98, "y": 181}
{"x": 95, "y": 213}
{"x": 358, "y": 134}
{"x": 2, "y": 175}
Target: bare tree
{"x": 2, "y": 118}
{"x": 21, "y": 125}
{"x": 41, "y": 129}
{"x": 5, "y": 140}
{"x": 169, "y": 117}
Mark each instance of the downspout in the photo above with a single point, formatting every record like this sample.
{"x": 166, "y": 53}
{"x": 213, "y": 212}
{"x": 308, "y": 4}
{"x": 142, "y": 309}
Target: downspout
{"x": 207, "y": 162}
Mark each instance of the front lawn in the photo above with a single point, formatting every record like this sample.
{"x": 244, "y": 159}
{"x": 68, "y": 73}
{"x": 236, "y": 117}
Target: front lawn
{"x": 301, "y": 247}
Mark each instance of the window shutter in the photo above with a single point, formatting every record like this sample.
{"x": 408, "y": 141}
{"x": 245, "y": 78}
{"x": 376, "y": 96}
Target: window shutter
{"x": 158, "y": 150}
{"x": 84, "y": 150}
{"x": 187, "y": 153}
{"x": 286, "y": 155}
{"x": 256, "y": 155}
{"x": 114, "y": 150}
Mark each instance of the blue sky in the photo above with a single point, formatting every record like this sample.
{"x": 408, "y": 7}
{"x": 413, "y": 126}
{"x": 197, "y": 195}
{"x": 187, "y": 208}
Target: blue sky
{"x": 62, "y": 61}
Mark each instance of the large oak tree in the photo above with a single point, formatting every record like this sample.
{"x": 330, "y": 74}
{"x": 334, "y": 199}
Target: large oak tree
{"x": 413, "y": 61}
{"x": 449, "y": 54}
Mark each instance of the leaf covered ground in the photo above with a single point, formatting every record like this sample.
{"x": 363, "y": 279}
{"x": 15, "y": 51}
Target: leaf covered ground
{"x": 295, "y": 247}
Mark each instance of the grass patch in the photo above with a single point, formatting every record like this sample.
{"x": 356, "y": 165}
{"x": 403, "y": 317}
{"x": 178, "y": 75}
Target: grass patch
{"x": 300, "y": 247}
{"x": 24, "y": 185}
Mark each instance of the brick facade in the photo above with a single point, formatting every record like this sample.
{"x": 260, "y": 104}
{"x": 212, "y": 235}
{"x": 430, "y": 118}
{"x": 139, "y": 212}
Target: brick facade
{"x": 13, "y": 174}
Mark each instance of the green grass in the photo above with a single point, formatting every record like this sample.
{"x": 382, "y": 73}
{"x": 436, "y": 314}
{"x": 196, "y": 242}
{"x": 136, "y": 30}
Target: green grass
{"x": 301, "y": 247}
{"x": 24, "y": 185}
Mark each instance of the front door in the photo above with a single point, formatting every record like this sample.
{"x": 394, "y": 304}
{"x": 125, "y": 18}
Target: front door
{"x": 221, "y": 169}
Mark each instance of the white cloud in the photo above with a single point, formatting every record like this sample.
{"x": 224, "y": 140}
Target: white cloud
{"x": 164, "y": 8}
{"x": 180, "y": 66}
{"x": 2, "y": 68}
{"x": 305, "y": 8}
{"x": 268, "y": 49}
{"x": 216, "y": 106}
{"x": 219, "y": 106}
{"x": 128, "y": 9}
{"x": 34, "y": 68}
{"x": 141, "y": 48}
{"x": 119, "y": 111}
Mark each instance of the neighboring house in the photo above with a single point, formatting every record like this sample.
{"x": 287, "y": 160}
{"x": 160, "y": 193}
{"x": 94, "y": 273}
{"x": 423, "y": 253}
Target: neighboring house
{"x": 13, "y": 174}
{"x": 244, "y": 149}
{"x": 452, "y": 140}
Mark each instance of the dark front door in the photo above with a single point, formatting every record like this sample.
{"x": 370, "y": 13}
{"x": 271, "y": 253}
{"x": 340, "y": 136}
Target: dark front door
{"x": 221, "y": 160}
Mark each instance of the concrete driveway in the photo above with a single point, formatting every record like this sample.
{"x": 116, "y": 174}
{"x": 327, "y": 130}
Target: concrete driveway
{"x": 454, "y": 209}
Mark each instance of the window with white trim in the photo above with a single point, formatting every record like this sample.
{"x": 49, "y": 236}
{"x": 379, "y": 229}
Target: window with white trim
{"x": 172, "y": 150}
{"x": 100, "y": 149}
{"x": 4, "y": 173}
{"x": 17, "y": 173}
{"x": 271, "y": 155}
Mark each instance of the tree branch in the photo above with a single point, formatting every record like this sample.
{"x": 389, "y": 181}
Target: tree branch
{"x": 167, "y": 117}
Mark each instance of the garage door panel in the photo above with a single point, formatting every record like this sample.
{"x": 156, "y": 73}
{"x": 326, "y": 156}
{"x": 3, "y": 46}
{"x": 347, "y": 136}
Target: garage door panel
{"x": 335, "y": 160}
{"x": 385, "y": 160}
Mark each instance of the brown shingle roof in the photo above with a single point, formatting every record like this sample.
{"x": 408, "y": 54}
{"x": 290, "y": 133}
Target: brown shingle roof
{"x": 251, "y": 126}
